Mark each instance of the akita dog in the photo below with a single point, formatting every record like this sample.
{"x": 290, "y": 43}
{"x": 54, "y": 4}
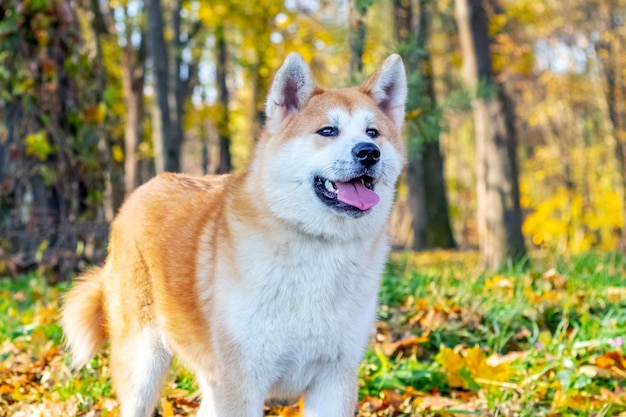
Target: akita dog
{"x": 264, "y": 283}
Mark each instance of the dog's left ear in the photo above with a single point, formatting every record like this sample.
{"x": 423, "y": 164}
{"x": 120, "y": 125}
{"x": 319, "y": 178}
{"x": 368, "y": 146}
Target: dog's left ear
{"x": 290, "y": 90}
{"x": 387, "y": 86}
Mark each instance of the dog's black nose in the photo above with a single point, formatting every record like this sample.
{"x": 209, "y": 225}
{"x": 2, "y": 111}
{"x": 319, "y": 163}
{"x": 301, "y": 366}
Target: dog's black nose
{"x": 366, "y": 153}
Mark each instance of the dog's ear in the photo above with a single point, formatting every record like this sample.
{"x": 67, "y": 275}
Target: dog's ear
{"x": 290, "y": 90}
{"x": 387, "y": 87}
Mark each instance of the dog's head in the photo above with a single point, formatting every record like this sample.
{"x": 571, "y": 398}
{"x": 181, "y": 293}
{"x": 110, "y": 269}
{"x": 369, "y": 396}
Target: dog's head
{"x": 328, "y": 160}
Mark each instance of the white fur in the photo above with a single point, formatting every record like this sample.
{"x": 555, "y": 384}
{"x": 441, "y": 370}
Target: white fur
{"x": 150, "y": 360}
{"x": 305, "y": 326}
{"x": 288, "y": 298}
{"x": 291, "y": 88}
{"x": 390, "y": 89}
{"x": 297, "y": 305}
{"x": 288, "y": 178}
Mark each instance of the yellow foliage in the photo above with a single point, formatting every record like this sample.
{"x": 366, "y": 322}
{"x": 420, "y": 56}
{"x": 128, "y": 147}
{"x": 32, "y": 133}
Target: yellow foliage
{"x": 503, "y": 285}
{"x": 457, "y": 362}
{"x": 37, "y": 144}
{"x": 212, "y": 13}
{"x": 117, "y": 153}
{"x": 548, "y": 297}
{"x": 95, "y": 114}
{"x": 168, "y": 408}
{"x": 565, "y": 218}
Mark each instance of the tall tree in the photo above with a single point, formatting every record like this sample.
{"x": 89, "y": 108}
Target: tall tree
{"x": 103, "y": 26}
{"x": 610, "y": 47}
{"x": 427, "y": 197}
{"x": 499, "y": 217}
{"x": 357, "y": 34}
{"x": 133, "y": 80}
{"x": 166, "y": 144}
{"x": 225, "y": 164}
{"x": 183, "y": 70}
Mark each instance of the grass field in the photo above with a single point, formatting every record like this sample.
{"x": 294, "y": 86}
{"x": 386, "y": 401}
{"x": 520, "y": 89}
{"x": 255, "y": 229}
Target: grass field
{"x": 451, "y": 341}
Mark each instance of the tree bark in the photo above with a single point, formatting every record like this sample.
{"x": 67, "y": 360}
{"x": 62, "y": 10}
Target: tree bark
{"x": 178, "y": 86}
{"x": 167, "y": 153}
{"x": 260, "y": 87}
{"x": 358, "y": 31}
{"x": 133, "y": 65}
{"x": 499, "y": 218}
{"x": 428, "y": 199}
{"x": 224, "y": 166}
{"x": 615, "y": 93}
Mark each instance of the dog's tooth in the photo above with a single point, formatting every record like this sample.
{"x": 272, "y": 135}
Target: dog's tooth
{"x": 330, "y": 186}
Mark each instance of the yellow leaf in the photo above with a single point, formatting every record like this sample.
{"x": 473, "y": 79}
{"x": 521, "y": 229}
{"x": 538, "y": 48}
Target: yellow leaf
{"x": 95, "y": 114}
{"x": 498, "y": 281}
{"x": 615, "y": 294}
{"x": 168, "y": 408}
{"x": 412, "y": 114}
{"x": 117, "y": 153}
{"x": 472, "y": 360}
{"x": 37, "y": 144}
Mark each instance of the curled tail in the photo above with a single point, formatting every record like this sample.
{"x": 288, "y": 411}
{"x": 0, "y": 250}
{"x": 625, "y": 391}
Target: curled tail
{"x": 82, "y": 317}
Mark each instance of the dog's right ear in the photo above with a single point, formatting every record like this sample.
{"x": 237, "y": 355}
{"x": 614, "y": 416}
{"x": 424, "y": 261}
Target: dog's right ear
{"x": 291, "y": 89}
{"x": 388, "y": 87}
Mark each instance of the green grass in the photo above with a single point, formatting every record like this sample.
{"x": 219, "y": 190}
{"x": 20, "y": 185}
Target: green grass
{"x": 557, "y": 334}
{"x": 560, "y": 324}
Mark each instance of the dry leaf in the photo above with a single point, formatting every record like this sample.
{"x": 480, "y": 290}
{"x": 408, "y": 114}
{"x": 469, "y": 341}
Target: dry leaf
{"x": 168, "y": 408}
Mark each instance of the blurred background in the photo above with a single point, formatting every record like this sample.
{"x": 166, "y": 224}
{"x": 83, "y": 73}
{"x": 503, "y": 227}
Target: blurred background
{"x": 524, "y": 97}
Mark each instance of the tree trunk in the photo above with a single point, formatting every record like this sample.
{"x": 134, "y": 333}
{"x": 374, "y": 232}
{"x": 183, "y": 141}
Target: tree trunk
{"x": 103, "y": 25}
{"x": 131, "y": 139}
{"x": 431, "y": 221}
{"x": 133, "y": 65}
{"x": 499, "y": 218}
{"x": 177, "y": 94}
{"x": 260, "y": 87}
{"x": 417, "y": 199}
{"x": 358, "y": 31}
{"x": 223, "y": 128}
{"x": 167, "y": 156}
{"x": 614, "y": 94}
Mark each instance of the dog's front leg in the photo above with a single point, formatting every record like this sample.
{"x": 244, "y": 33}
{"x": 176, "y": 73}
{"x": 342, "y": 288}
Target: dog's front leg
{"x": 227, "y": 396}
{"x": 232, "y": 402}
{"x": 332, "y": 394}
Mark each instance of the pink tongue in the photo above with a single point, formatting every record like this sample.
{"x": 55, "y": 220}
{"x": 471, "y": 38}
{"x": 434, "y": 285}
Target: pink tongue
{"x": 356, "y": 194}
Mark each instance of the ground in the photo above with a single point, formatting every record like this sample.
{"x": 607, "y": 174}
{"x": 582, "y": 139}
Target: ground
{"x": 451, "y": 340}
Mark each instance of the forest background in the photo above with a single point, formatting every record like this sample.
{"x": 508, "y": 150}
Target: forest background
{"x": 516, "y": 137}
{"x": 99, "y": 97}
{"x": 87, "y": 113}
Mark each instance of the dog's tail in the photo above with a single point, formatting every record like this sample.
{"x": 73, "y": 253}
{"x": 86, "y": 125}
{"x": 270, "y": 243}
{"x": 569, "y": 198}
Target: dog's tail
{"x": 82, "y": 317}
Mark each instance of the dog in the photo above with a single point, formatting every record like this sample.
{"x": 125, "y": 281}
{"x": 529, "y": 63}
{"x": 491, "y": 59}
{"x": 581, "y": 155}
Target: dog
{"x": 265, "y": 284}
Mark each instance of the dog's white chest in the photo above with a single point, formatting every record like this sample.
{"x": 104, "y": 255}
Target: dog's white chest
{"x": 301, "y": 309}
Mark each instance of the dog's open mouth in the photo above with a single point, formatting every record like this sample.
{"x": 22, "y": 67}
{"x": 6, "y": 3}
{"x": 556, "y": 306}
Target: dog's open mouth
{"x": 354, "y": 196}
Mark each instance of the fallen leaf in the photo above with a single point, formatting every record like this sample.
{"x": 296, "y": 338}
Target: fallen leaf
{"x": 610, "y": 359}
{"x": 557, "y": 280}
{"x": 498, "y": 281}
{"x": 462, "y": 366}
{"x": 496, "y": 360}
{"x": 616, "y": 294}
{"x": 392, "y": 397}
{"x": 408, "y": 344}
{"x": 168, "y": 408}
{"x": 434, "y": 402}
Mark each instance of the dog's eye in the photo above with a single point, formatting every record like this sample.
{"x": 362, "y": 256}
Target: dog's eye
{"x": 328, "y": 131}
{"x": 372, "y": 133}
